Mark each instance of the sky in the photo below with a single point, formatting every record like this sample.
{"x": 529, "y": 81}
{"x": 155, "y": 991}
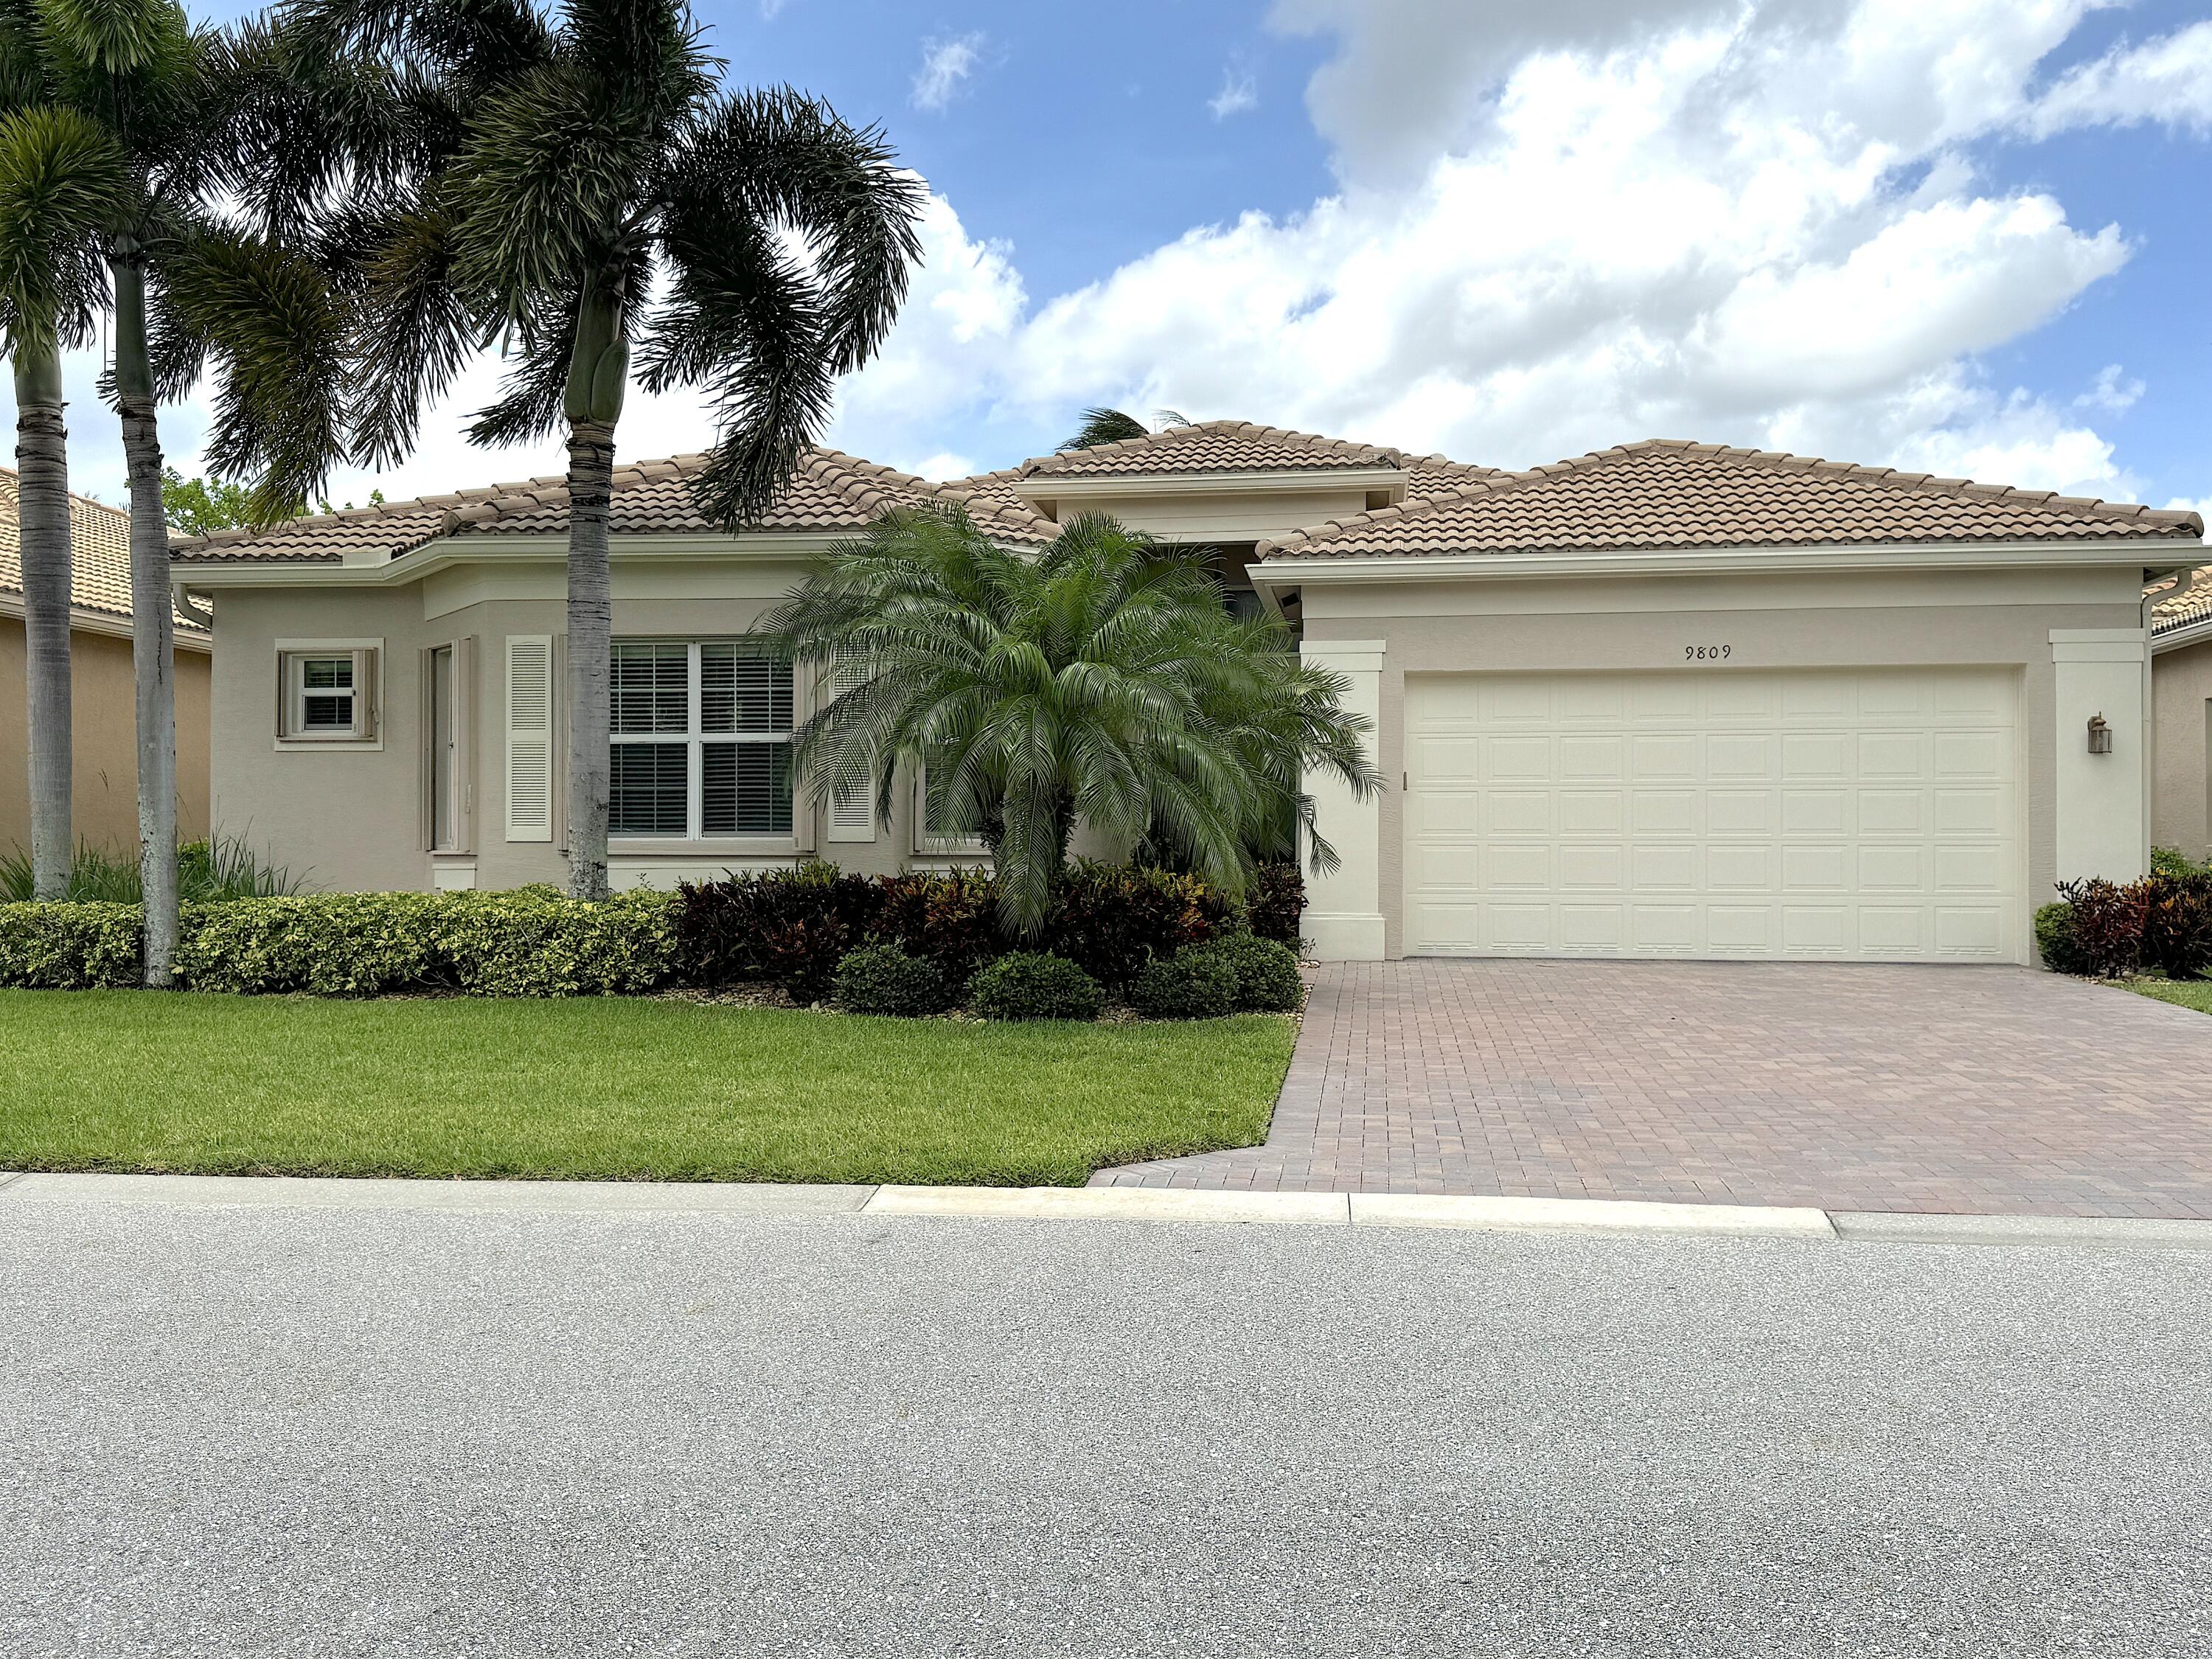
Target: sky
{"x": 1968, "y": 237}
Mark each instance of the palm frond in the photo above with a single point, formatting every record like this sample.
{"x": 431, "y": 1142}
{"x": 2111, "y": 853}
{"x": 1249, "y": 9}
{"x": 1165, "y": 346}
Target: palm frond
{"x": 65, "y": 180}
{"x": 1102, "y": 425}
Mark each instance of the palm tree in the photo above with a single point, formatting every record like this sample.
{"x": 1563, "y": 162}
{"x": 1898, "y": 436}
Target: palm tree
{"x": 51, "y": 294}
{"x": 120, "y": 129}
{"x": 1102, "y": 425}
{"x": 574, "y": 186}
{"x": 1099, "y": 681}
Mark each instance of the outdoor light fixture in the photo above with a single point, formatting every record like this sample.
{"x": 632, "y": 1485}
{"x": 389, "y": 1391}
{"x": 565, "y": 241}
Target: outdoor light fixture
{"x": 2101, "y": 736}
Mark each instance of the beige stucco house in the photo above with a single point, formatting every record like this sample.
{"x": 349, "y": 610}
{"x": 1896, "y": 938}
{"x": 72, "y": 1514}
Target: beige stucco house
{"x": 1666, "y": 699}
{"x": 103, "y": 698}
{"x": 2181, "y": 694}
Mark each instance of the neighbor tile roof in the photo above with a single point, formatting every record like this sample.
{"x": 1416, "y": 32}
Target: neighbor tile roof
{"x": 99, "y": 552}
{"x": 1667, "y": 493}
{"x": 1234, "y": 447}
{"x": 828, "y": 490}
{"x": 2193, "y": 605}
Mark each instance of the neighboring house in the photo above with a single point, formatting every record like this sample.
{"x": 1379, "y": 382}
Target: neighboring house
{"x": 2181, "y": 689}
{"x": 1668, "y": 700}
{"x": 103, "y": 694}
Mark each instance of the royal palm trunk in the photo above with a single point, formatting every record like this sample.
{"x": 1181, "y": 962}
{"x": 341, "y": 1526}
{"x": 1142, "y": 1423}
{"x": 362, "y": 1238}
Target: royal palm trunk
{"x": 42, "y": 490}
{"x": 598, "y": 374}
{"x": 153, "y": 628}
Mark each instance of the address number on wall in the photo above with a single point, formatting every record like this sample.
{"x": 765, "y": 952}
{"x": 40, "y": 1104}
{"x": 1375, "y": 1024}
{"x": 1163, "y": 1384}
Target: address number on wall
{"x": 1706, "y": 652}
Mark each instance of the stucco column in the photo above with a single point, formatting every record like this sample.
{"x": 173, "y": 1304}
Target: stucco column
{"x": 1343, "y": 910}
{"x": 2102, "y": 828}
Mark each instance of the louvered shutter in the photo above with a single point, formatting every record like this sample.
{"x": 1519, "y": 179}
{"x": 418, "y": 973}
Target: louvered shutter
{"x": 852, "y": 818}
{"x": 529, "y": 736}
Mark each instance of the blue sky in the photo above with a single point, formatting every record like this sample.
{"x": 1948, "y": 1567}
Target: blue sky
{"x": 1955, "y": 235}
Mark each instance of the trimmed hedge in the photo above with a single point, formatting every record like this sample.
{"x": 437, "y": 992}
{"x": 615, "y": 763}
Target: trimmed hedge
{"x": 1035, "y": 985}
{"x": 1266, "y": 973}
{"x": 881, "y": 979}
{"x": 71, "y": 946}
{"x": 532, "y": 942}
{"x": 1196, "y": 983}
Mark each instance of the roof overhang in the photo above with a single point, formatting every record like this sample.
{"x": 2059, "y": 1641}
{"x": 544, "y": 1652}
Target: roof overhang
{"x": 83, "y": 619}
{"x": 2190, "y": 632}
{"x": 2156, "y": 558}
{"x": 452, "y": 551}
{"x": 1384, "y": 486}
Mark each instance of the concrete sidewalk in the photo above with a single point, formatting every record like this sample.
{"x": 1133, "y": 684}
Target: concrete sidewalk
{"x": 1366, "y": 1210}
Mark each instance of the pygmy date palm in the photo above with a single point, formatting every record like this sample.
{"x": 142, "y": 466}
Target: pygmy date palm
{"x": 1097, "y": 682}
{"x": 583, "y": 186}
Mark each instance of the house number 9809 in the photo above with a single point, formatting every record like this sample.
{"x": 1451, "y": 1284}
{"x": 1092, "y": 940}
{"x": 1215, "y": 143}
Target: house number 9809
{"x": 1706, "y": 652}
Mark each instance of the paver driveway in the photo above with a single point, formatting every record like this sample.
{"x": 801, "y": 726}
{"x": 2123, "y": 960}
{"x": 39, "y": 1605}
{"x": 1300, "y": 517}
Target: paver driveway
{"x": 1992, "y": 1089}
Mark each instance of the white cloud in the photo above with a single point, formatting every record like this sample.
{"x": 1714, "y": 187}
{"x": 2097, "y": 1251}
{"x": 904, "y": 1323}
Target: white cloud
{"x": 945, "y": 63}
{"x": 770, "y": 9}
{"x": 944, "y": 464}
{"x": 1753, "y": 225}
{"x": 2167, "y": 80}
{"x": 2109, "y": 390}
{"x": 1239, "y": 92}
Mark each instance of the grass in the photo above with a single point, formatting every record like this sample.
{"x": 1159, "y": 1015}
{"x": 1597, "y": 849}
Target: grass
{"x": 2182, "y": 992}
{"x": 611, "y": 1088}
{"x": 207, "y": 872}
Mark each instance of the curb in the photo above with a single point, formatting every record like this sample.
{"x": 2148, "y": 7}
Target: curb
{"x": 1385, "y": 1211}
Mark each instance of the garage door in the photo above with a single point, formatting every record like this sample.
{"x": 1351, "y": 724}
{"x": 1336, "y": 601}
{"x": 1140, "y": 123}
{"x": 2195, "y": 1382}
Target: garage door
{"x": 1868, "y": 815}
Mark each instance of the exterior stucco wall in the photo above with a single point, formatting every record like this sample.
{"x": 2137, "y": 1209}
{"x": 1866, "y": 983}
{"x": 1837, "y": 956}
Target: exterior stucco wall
{"x": 2181, "y": 694}
{"x": 1768, "y": 622}
{"x": 354, "y": 818}
{"x": 103, "y": 728}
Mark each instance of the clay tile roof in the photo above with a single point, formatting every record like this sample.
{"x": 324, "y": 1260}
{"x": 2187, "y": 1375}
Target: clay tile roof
{"x": 1224, "y": 447}
{"x": 828, "y": 490}
{"x": 1667, "y": 493}
{"x": 2193, "y": 605}
{"x": 99, "y": 553}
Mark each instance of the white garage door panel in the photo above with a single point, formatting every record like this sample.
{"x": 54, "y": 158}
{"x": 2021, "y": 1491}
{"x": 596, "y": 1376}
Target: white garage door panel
{"x": 1869, "y": 814}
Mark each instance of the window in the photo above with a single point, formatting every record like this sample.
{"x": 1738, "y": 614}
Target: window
{"x": 702, "y": 740}
{"x": 328, "y": 695}
{"x": 934, "y": 830}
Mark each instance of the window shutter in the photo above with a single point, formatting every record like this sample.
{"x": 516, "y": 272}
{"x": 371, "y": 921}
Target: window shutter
{"x": 364, "y": 694}
{"x": 852, "y": 818}
{"x": 529, "y": 736}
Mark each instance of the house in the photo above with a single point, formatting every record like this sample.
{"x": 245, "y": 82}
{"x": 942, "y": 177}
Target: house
{"x": 1664, "y": 699}
{"x": 2181, "y": 693}
{"x": 103, "y": 689}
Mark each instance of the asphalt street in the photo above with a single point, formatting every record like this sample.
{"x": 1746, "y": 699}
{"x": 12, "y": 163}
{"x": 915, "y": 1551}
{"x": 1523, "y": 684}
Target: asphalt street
{"x": 334, "y": 1432}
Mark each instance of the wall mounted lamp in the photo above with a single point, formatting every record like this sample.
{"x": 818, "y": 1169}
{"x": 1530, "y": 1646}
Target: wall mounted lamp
{"x": 2101, "y": 736}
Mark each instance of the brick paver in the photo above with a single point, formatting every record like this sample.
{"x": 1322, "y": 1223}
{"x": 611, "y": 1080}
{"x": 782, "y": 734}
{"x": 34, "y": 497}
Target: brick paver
{"x": 1991, "y": 1089}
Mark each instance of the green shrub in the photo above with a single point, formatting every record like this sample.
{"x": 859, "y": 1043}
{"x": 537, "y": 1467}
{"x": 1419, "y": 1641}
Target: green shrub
{"x": 881, "y": 979}
{"x": 1112, "y": 919}
{"x": 2108, "y": 926}
{"x": 1267, "y": 972}
{"x": 2177, "y": 925}
{"x": 208, "y": 872}
{"x": 1275, "y": 901}
{"x": 950, "y": 919}
{"x": 1196, "y": 983}
{"x": 791, "y": 928}
{"x": 1033, "y": 985}
{"x": 2054, "y": 939}
{"x": 71, "y": 946}
{"x": 2172, "y": 861}
{"x": 329, "y": 944}
{"x": 538, "y": 942}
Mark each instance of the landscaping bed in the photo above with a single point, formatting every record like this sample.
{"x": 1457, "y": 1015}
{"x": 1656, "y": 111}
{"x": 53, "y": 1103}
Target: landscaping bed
{"x": 613, "y": 1088}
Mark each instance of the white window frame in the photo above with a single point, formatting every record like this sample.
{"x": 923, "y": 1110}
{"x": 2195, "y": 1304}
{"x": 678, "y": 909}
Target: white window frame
{"x": 366, "y": 731}
{"x": 697, "y": 741}
{"x": 928, "y": 844}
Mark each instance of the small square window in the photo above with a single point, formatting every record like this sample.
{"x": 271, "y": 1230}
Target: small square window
{"x": 327, "y": 697}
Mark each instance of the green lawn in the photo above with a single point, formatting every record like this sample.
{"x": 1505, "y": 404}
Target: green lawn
{"x": 612, "y": 1088}
{"x": 2183, "y": 993}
